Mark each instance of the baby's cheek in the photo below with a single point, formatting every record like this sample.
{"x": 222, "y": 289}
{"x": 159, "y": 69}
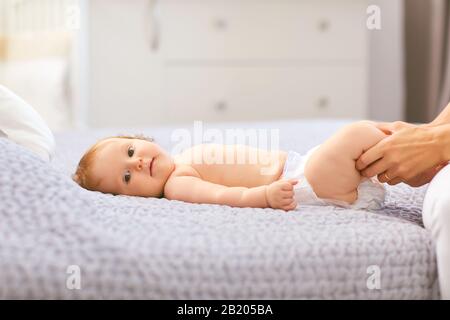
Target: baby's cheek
{"x": 153, "y": 187}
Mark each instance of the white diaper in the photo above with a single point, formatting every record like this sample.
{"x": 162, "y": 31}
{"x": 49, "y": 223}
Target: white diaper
{"x": 371, "y": 193}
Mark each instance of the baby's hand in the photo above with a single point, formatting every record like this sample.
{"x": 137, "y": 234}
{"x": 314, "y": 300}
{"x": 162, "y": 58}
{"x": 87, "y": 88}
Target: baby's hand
{"x": 280, "y": 194}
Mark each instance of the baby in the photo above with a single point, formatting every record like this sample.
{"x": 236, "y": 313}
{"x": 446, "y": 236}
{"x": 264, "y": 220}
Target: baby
{"x": 326, "y": 175}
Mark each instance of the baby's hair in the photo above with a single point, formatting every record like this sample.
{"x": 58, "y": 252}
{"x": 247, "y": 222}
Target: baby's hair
{"x": 83, "y": 174}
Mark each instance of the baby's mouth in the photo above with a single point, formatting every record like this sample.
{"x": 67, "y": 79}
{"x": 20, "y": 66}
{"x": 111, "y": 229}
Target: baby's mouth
{"x": 150, "y": 165}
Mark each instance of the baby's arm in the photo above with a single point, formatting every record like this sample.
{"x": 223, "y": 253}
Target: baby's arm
{"x": 195, "y": 190}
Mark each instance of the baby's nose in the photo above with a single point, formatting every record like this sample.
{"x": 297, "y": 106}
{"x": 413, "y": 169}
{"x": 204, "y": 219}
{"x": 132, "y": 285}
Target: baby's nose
{"x": 139, "y": 164}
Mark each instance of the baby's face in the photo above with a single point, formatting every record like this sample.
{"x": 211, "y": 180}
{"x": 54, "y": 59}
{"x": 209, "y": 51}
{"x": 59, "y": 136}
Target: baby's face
{"x": 131, "y": 167}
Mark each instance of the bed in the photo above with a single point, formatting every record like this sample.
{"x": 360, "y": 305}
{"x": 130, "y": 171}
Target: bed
{"x": 58, "y": 241}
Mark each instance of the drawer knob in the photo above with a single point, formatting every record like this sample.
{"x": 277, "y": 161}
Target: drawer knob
{"x": 220, "y": 24}
{"x": 324, "y": 25}
{"x": 323, "y": 103}
{"x": 221, "y": 106}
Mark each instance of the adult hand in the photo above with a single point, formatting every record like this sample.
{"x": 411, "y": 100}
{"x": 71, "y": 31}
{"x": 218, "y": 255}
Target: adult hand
{"x": 423, "y": 178}
{"x": 391, "y": 127}
{"x": 410, "y": 154}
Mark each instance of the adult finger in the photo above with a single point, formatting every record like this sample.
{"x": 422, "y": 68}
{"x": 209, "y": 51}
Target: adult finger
{"x": 394, "y": 181}
{"x": 375, "y": 169}
{"x": 386, "y": 176}
{"x": 370, "y": 156}
{"x": 386, "y": 127}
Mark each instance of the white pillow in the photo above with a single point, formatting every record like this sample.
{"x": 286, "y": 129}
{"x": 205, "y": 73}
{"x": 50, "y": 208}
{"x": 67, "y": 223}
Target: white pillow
{"x": 22, "y": 124}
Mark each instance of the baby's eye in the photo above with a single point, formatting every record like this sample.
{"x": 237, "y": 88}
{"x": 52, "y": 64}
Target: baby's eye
{"x": 130, "y": 151}
{"x": 127, "y": 177}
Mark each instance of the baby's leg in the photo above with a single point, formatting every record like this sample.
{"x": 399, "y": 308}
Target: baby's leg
{"x": 331, "y": 168}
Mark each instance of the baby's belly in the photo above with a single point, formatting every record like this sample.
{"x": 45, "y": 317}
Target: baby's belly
{"x": 236, "y": 165}
{"x": 235, "y": 175}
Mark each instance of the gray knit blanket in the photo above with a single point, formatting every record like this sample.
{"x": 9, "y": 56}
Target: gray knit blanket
{"x": 58, "y": 241}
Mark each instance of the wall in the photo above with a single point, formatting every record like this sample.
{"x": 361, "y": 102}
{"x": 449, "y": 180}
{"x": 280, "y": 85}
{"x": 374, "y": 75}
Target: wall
{"x": 128, "y": 27}
{"x": 118, "y": 26}
{"x": 386, "y": 76}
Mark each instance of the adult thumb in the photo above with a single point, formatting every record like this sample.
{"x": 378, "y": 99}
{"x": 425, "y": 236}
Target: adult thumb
{"x": 386, "y": 127}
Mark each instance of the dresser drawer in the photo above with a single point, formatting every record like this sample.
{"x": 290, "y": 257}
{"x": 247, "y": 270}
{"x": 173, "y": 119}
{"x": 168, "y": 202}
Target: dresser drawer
{"x": 261, "y": 93}
{"x": 278, "y": 30}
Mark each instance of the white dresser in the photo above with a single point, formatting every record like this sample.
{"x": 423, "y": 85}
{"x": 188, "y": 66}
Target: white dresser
{"x": 263, "y": 59}
{"x": 215, "y": 60}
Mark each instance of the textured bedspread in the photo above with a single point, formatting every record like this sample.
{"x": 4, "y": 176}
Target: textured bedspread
{"x": 51, "y": 231}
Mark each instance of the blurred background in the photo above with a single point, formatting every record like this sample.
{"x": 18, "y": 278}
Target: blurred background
{"x": 101, "y": 63}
